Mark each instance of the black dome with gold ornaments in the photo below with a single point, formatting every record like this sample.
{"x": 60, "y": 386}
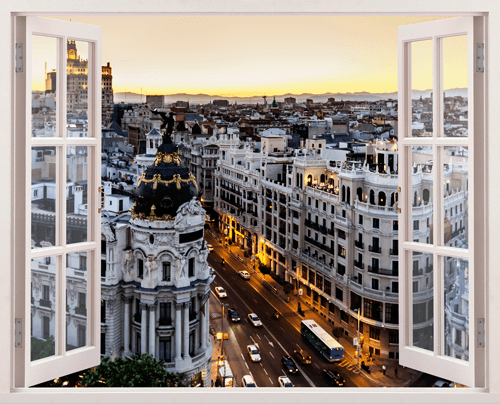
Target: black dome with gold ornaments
{"x": 164, "y": 186}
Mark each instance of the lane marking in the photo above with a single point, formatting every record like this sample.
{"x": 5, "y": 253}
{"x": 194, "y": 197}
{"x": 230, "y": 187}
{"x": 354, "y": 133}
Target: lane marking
{"x": 316, "y": 366}
{"x": 247, "y": 365}
{"x": 298, "y": 346}
{"x": 258, "y": 336}
{"x": 260, "y": 363}
{"x": 271, "y": 354}
{"x": 265, "y": 371}
{"x": 253, "y": 340}
{"x": 255, "y": 300}
{"x": 271, "y": 381}
{"x": 242, "y": 356}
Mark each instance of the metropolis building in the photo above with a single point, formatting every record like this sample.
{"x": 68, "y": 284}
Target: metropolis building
{"x": 327, "y": 223}
{"x": 155, "y": 280}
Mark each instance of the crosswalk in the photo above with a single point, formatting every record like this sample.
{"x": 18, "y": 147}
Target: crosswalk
{"x": 349, "y": 366}
{"x": 215, "y": 315}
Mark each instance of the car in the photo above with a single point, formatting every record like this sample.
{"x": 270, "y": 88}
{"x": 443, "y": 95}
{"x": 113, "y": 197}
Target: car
{"x": 210, "y": 247}
{"x": 444, "y": 383}
{"x": 220, "y": 291}
{"x": 244, "y": 275}
{"x": 233, "y": 315}
{"x": 255, "y": 320}
{"x": 284, "y": 382}
{"x": 253, "y": 352}
{"x": 333, "y": 378}
{"x": 289, "y": 365}
{"x": 247, "y": 381}
{"x": 302, "y": 356}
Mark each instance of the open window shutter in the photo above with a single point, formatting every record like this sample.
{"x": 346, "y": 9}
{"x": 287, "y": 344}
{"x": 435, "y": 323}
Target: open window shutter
{"x": 441, "y": 181}
{"x": 62, "y": 136}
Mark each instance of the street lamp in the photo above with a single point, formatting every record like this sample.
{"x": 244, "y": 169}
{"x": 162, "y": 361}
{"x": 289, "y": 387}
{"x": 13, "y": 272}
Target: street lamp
{"x": 359, "y": 342}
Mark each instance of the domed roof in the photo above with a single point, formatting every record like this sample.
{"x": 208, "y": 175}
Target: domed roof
{"x": 164, "y": 186}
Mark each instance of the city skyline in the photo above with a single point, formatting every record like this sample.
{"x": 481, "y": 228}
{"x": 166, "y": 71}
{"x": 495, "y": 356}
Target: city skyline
{"x": 255, "y": 56}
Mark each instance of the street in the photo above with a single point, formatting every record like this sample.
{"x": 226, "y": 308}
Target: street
{"x": 277, "y": 337}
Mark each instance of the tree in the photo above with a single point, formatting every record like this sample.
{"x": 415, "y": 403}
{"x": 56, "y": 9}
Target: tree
{"x": 42, "y": 349}
{"x": 265, "y": 269}
{"x": 140, "y": 371}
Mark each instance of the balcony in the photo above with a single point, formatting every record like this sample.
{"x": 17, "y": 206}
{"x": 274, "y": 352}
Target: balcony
{"x": 323, "y": 229}
{"x": 45, "y": 303}
{"x": 418, "y": 271}
{"x": 359, "y": 244}
{"x": 359, "y": 265}
{"x": 331, "y": 232}
{"x": 428, "y": 269}
{"x": 394, "y": 251}
{"x": 82, "y": 311}
{"x": 342, "y": 234}
{"x": 165, "y": 322}
{"x": 375, "y": 249}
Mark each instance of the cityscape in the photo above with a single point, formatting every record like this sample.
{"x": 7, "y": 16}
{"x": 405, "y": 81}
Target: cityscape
{"x": 250, "y": 244}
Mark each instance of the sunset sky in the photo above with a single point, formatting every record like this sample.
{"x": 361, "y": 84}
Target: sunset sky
{"x": 255, "y": 55}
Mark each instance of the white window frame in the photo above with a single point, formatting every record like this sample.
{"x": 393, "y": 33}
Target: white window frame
{"x": 10, "y": 251}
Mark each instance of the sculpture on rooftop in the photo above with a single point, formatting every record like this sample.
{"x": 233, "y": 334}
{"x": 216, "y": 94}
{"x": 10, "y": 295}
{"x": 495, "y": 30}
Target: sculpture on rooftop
{"x": 168, "y": 123}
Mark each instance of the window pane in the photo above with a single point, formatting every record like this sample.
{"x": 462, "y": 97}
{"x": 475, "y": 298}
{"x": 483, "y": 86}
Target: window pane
{"x": 422, "y": 194}
{"x": 43, "y": 196}
{"x": 421, "y": 88}
{"x": 423, "y": 298}
{"x": 43, "y": 307}
{"x": 76, "y": 303}
{"x": 76, "y": 194}
{"x": 455, "y": 192}
{"x": 43, "y": 86}
{"x": 455, "y": 83}
{"x": 456, "y": 307}
{"x": 77, "y": 94}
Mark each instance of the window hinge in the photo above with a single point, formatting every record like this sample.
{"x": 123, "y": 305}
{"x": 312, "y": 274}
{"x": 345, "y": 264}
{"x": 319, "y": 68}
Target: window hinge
{"x": 19, "y": 57}
{"x": 18, "y": 333}
{"x": 481, "y": 343}
{"x": 480, "y": 58}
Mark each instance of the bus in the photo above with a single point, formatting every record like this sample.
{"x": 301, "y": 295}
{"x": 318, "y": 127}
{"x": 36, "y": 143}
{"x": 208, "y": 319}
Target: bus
{"x": 322, "y": 341}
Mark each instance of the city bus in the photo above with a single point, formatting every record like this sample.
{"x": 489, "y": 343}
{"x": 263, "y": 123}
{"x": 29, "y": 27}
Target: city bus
{"x": 322, "y": 341}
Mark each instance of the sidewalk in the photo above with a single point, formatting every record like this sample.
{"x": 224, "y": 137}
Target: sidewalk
{"x": 404, "y": 375}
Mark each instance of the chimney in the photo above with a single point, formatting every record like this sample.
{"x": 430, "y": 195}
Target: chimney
{"x": 78, "y": 198}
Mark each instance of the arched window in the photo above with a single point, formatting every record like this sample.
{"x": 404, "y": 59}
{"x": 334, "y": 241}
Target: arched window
{"x": 381, "y": 199}
{"x": 372, "y": 197}
{"x": 414, "y": 199}
{"x": 348, "y": 198}
{"x": 426, "y": 195}
{"x": 322, "y": 178}
{"x": 343, "y": 193}
{"x": 359, "y": 193}
{"x": 309, "y": 180}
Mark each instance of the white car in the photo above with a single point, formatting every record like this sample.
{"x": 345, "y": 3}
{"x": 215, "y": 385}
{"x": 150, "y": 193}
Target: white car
{"x": 247, "y": 381}
{"x": 255, "y": 320}
{"x": 244, "y": 274}
{"x": 253, "y": 352}
{"x": 284, "y": 381}
{"x": 220, "y": 291}
{"x": 210, "y": 247}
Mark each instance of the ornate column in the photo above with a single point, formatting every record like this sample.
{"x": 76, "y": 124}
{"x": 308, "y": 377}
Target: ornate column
{"x": 197, "y": 335}
{"x": 186, "y": 330}
{"x": 126, "y": 326}
{"x": 152, "y": 328}
{"x": 178, "y": 331}
{"x": 144, "y": 335}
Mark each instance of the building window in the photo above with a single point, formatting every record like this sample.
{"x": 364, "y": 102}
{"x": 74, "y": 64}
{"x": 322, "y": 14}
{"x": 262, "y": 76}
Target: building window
{"x": 375, "y": 283}
{"x": 191, "y": 267}
{"x": 339, "y": 294}
{"x": 391, "y": 313}
{"x": 375, "y": 333}
{"x": 140, "y": 266}
{"x": 360, "y": 219}
{"x": 311, "y": 277}
{"x": 103, "y": 343}
{"x": 165, "y": 349}
{"x": 328, "y": 287}
{"x": 376, "y": 223}
{"x": 393, "y": 337}
{"x": 372, "y": 309}
{"x": 165, "y": 313}
{"x": 103, "y": 268}
{"x": 166, "y": 271}
{"x": 395, "y": 287}
{"x": 395, "y": 225}
{"x": 415, "y": 225}
{"x": 103, "y": 311}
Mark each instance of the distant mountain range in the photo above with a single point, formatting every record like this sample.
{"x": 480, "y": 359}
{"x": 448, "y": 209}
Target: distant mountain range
{"x": 129, "y": 97}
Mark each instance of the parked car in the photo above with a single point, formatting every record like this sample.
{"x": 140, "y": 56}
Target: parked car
{"x": 302, "y": 356}
{"x": 247, "y": 381}
{"x": 233, "y": 315}
{"x": 253, "y": 352}
{"x": 284, "y": 382}
{"x": 289, "y": 365}
{"x": 220, "y": 291}
{"x": 254, "y": 320}
{"x": 333, "y": 378}
{"x": 244, "y": 275}
{"x": 210, "y": 247}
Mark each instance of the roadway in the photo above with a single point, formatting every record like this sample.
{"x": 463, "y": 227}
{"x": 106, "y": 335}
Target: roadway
{"x": 275, "y": 338}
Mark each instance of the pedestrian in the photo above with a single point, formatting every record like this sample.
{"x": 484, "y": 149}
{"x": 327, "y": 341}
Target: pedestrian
{"x": 396, "y": 372}
{"x": 383, "y": 369}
